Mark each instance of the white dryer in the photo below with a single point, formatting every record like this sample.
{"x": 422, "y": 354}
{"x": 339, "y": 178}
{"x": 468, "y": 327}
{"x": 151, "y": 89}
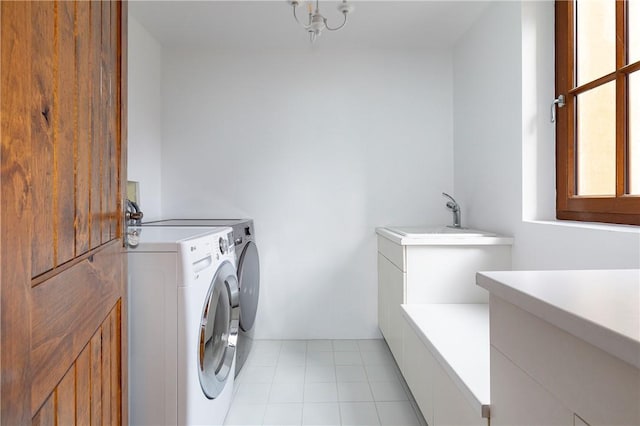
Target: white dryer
{"x": 183, "y": 325}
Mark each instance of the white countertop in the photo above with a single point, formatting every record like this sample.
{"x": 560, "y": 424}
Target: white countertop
{"x": 601, "y": 307}
{"x": 458, "y": 337}
{"x": 440, "y": 236}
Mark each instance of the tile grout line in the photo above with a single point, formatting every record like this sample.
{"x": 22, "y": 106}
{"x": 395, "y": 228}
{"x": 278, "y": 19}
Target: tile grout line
{"x": 335, "y": 372}
{"x": 370, "y": 388}
{"x": 304, "y": 379}
{"x": 273, "y": 378}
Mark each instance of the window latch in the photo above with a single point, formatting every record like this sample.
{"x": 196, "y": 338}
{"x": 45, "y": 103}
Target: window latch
{"x": 559, "y": 101}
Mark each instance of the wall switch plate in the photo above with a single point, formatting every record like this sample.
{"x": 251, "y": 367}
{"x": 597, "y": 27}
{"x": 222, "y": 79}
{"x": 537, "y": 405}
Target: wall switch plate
{"x": 133, "y": 191}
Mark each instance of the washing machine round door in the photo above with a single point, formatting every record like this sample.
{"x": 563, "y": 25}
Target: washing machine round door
{"x": 249, "y": 277}
{"x": 218, "y": 331}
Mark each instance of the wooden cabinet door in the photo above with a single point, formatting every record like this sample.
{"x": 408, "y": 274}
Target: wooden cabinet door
{"x": 63, "y": 150}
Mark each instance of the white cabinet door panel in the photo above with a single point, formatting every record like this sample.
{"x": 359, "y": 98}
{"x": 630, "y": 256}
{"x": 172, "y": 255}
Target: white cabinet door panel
{"x": 418, "y": 365}
{"x": 391, "y": 284}
{"x": 450, "y": 407}
{"x": 516, "y": 399}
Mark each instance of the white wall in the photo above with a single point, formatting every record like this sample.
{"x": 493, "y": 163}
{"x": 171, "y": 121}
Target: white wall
{"x": 504, "y": 144}
{"x": 145, "y": 117}
{"x": 319, "y": 147}
{"x": 487, "y": 120}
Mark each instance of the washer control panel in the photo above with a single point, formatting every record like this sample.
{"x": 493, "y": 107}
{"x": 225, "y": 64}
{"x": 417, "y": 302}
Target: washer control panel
{"x": 226, "y": 243}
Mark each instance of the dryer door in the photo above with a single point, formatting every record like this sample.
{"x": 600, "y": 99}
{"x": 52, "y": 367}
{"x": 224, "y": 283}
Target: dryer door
{"x": 249, "y": 277}
{"x": 218, "y": 331}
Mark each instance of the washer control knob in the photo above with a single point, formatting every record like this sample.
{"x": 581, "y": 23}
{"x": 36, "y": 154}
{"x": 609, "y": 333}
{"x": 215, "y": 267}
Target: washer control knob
{"x": 224, "y": 245}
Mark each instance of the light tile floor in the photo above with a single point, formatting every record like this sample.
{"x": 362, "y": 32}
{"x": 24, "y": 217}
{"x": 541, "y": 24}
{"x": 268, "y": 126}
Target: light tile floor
{"x": 321, "y": 382}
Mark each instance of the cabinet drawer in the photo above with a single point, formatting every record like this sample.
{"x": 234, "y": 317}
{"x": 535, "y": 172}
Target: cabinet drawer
{"x": 600, "y": 388}
{"x": 517, "y": 399}
{"x": 392, "y": 251}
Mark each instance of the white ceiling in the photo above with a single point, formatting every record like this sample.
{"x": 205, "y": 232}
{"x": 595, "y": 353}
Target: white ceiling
{"x": 269, "y": 24}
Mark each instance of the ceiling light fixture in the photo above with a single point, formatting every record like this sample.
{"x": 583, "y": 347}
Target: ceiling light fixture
{"x": 316, "y": 22}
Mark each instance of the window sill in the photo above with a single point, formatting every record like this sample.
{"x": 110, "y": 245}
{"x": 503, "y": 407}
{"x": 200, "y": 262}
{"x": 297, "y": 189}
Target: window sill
{"x": 594, "y": 226}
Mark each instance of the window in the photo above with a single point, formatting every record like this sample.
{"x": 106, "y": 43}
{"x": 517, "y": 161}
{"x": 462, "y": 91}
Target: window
{"x": 598, "y": 129}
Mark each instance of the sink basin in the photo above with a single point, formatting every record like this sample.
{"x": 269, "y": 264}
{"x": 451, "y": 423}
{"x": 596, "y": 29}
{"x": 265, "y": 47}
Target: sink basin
{"x": 437, "y": 231}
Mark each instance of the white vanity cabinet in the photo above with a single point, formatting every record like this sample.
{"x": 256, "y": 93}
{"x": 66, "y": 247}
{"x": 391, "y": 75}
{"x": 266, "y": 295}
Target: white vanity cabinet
{"x": 565, "y": 347}
{"x": 432, "y": 267}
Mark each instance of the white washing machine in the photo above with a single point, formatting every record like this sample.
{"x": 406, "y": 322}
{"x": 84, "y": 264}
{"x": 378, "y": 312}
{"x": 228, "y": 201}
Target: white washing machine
{"x": 183, "y": 325}
{"x": 248, "y": 274}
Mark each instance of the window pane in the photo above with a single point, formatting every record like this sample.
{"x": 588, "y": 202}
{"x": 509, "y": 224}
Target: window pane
{"x": 634, "y": 30}
{"x": 595, "y": 38}
{"x": 634, "y": 133}
{"x": 596, "y": 141}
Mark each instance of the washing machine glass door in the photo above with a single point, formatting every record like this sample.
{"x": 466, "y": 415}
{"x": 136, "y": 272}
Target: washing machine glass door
{"x": 249, "y": 277}
{"x": 218, "y": 331}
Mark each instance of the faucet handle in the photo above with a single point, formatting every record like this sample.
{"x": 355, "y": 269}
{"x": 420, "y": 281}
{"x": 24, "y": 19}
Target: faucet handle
{"x": 450, "y": 197}
{"x": 455, "y": 209}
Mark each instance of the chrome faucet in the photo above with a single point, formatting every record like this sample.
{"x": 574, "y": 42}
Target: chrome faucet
{"x": 455, "y": 209}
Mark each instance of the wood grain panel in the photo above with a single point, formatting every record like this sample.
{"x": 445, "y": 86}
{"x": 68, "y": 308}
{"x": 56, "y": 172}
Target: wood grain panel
{"x": 95, "y": 198}
{"x": 47, "y": 414}
{"x": 42, "y": 26}
{"x": 114, "y": 109}
{"x": 83, "y": 143}
{"x": 67, "y": 310}
{"x": 15, "y": 215}
{"x": 622, "y": 104}
{"x": 123, "y": 112}
{"x": 65, "y": 399}
{"x": 106, "y": 372}
{"x": 105, "y": 114}
{"x": 83, "y": 387}
{"x": 122, "y": 144}
{"x": 116, "y": 391}
{"x": 64, "y": 134}
{"x": 96, "y": 378}
{"x": 77, "y": 398}
{"x": 58, "y": 298}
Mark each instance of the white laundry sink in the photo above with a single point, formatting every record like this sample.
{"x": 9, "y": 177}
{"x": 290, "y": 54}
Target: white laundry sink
{"x": 437, "y": 231}
{"x": 441, "y": 235}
